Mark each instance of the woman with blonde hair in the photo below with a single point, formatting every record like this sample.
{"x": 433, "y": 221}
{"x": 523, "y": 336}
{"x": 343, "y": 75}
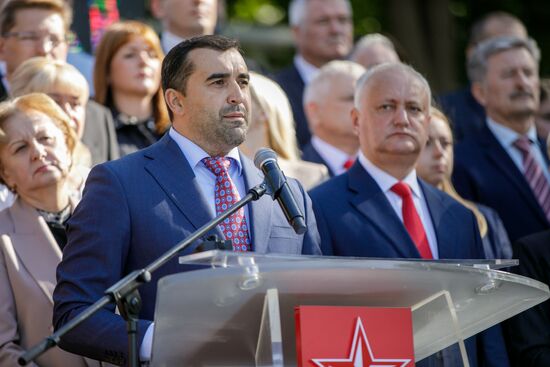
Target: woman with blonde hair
{"x": 65, "y": 85}
{"x": 36, "y": 147}
{"x": 127, "y": 80}
{"x": 272, "y": 126}
{"x": 435, "y": 166}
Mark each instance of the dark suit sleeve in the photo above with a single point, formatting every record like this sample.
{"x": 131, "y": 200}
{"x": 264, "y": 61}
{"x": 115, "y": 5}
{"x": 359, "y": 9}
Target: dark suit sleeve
{"x": 492, "y": 350}
{"x": 93, "y": 260}
{"x": 528, "y": 334}
{"x": 326, "y": 242}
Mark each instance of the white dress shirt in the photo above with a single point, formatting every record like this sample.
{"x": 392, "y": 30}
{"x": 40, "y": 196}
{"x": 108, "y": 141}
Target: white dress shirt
{"x": 168, "y": 40}
{"x": 333, "y": 157}
{"x": 386, "y": 181}
{"x": 506, "y": 137}
{"x": 306, "y": 70}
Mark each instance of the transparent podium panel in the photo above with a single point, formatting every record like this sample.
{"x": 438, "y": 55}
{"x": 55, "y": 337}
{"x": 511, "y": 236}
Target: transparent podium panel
{"x": 217, "y": 317}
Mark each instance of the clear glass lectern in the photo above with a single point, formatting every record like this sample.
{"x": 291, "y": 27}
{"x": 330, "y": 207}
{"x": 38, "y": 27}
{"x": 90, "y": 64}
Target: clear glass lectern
{"x": 239, "y": 309}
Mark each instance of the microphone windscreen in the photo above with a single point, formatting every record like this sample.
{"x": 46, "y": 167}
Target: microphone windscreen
{"x": 263, "y": 155}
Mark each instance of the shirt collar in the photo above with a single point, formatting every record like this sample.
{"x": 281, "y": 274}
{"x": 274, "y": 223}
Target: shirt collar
{"x": 385, "y": 181}
{"x": 329, "y": 152}
{"x": 168, "y": 40}
{"x": 507, "y": 136}
{"x": 306, "y": 70}
{"x": 194, "y": 154}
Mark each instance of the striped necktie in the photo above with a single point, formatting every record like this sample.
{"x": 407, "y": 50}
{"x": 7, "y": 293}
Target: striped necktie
{"x": 534, "y": 175}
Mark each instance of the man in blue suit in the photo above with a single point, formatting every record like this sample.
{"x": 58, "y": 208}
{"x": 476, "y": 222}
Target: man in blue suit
{"x": 136, "y": 208}
{"x": 323, "y": 31}
{"x": 493, "y": 167}
{"x": 379, "y": 208}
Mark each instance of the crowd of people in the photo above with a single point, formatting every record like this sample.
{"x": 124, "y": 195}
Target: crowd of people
{"x": 99, "y": 180}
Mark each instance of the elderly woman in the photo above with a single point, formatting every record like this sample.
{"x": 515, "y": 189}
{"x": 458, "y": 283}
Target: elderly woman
{"x": 272, "y": 126}
{"x": 65, "y": 85}
{"x": 127, "y": 80}
{"x": 36, "y": 146}
{"x": 435, "y": 166}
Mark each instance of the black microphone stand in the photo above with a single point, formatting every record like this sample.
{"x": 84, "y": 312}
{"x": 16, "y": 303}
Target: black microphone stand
{"x": 125, "y": 293}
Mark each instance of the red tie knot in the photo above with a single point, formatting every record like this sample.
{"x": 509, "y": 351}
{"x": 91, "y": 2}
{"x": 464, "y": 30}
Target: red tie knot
{"x": 402, "y": 189}
{"x": 217, "y": 165}
{"x": 347, "y": 164}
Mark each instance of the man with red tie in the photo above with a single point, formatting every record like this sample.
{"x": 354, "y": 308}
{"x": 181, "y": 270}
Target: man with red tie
{"x": 380, "y": 208}
{"x": 328, "y": 100}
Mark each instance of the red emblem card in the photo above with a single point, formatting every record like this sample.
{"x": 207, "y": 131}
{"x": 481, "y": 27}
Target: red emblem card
{"x": 340, "y": 336}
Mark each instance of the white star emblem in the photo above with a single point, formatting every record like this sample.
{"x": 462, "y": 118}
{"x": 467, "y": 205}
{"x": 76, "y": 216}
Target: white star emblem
{"x": 360, "y": 354}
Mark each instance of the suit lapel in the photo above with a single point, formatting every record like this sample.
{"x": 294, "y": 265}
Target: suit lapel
{"x": 35, "y": 246}
{"x": 311, "y": 154}
{"x": 436, "y": 208}
{"x": 502, "y": 161}
{"x": 260, "y": 211}
{"x": 174, "y": 175}
{"x": 367, "y": 197}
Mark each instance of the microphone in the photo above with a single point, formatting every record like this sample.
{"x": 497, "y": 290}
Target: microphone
{"x": 266, "y": 161}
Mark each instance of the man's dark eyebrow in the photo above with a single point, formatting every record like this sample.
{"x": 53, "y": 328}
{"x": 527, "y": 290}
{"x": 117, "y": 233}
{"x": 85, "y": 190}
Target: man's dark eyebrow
{"x": 218, "y": 76}
{"x": 244, "y": 76}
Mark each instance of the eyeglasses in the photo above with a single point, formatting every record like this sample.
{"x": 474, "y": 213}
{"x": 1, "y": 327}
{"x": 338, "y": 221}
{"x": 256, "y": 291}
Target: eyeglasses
{"x": 48, "y": 39}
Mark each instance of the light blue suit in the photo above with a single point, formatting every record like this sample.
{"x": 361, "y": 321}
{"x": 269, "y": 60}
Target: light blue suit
{"x": 133, "y": 210}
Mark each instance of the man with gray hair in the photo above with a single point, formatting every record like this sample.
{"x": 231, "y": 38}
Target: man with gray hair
{"x": 328, "y": 101}
{"x": 505, "y": 165}
{"x": 380, "y": 208}
{"x": 467, "y": 115}
{"x": 323, "y": 31}
{"x": 373, "y": 49}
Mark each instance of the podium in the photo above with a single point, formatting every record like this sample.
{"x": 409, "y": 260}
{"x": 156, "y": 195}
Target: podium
{"x": 238, "y": 309}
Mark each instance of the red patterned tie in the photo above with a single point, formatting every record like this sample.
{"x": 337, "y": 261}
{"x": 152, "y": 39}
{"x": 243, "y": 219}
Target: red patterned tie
{"x": 412, "y": 220}
{"x": 234, "y": 227}
{"x": 534, "y": 175}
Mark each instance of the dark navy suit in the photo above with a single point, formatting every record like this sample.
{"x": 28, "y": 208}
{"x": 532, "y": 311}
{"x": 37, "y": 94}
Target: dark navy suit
{"x": 292, "y": 83}
{"x": 355, "y": 218}
{"x": 485, "y": 173}
{"x": 527, "y": 334}
{"x": 310, "y": 154}
{"x": 132, "y": 211}
{"x": 466, "y": 114}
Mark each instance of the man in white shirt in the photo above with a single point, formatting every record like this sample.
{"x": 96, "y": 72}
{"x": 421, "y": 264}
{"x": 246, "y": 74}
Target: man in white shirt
{"x": 323, "y": 31}
{"x": 183, "y": 19}
{"x": 380, "y": 208}
{"x": 328, "y": 101}
{"x": 505, "y": 165}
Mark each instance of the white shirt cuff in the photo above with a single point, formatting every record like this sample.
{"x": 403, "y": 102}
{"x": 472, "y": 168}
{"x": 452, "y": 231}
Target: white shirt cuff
{"x": 147, "y": 344}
